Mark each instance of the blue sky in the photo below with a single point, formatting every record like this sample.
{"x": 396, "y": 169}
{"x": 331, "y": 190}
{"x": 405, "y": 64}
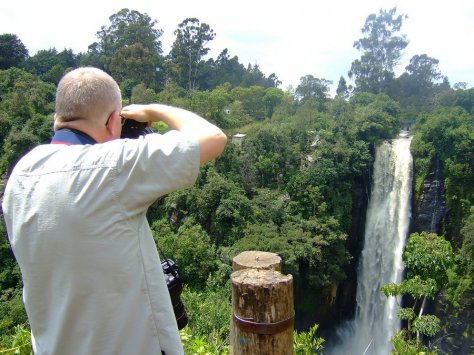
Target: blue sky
{"x": 288, "y": 38}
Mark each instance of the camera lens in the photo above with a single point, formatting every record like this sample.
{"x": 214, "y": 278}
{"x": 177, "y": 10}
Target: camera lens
{"x": 178, "y": 306}
{"x": 175, "y": 288}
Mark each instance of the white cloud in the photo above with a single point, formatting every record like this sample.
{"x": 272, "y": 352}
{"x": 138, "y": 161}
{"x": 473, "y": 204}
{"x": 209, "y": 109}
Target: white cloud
{"x": 288, "y": 38}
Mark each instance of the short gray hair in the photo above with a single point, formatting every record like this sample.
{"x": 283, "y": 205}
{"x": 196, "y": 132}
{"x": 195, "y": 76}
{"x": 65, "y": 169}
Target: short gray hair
{"x": 86, "y": 93}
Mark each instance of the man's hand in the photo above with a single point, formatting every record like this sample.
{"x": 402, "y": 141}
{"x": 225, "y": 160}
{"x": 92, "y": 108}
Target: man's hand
{"x": 137, "y": 112}
{"x": 211, "y": 139}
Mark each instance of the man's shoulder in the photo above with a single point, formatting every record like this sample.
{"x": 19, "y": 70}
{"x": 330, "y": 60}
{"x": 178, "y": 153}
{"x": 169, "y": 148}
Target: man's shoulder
{"x": 32, "y": 156}
{"x": 49, "y": 158}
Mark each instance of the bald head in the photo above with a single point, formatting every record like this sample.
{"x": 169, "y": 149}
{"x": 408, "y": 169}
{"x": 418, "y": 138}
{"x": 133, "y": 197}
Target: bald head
{"x": 87, "y": 94}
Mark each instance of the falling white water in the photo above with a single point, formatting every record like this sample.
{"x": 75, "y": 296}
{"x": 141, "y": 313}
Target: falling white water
{"x": 386, "y": 229}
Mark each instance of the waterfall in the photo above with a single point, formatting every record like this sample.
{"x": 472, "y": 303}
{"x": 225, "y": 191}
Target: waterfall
{"x": 386, "y": 229}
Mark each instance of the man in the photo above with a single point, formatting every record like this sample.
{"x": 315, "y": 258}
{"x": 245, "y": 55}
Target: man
{"x": 75, "y": 212}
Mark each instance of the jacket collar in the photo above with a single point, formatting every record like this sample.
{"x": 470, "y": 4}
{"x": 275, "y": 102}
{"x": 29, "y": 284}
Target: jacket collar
{"x": 70, "y": 136}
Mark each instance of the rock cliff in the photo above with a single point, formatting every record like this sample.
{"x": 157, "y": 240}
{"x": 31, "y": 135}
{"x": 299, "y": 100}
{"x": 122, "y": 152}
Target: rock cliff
{"x": 430, "y": 209}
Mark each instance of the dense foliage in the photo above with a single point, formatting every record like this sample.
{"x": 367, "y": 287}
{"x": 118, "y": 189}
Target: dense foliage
{"x": 287, "y": 186}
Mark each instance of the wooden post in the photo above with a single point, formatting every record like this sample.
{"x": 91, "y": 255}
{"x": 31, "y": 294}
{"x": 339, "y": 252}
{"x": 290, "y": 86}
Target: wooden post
{"x": 262, "y": 306}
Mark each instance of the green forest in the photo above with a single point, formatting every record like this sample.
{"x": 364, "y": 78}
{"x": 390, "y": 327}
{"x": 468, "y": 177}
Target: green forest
{"x": 286, "y": 186}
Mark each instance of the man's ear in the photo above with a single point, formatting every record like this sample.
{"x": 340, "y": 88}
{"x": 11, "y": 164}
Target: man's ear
{"x": 114, "y": 125}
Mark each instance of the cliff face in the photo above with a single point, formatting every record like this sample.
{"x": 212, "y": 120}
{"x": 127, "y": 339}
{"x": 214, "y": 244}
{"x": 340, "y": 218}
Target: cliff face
{"x": 345, "y": 302}
{"x": 430, "y": 209}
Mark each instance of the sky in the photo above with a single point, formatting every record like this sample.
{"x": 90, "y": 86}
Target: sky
{"x": 289, "y": 38}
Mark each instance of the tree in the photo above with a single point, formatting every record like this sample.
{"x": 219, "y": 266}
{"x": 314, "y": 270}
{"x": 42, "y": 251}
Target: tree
{"x": 465, "y": 99}
{"x": 267, "y": 158}
{"x": 17, "y": 144}
{"x": 313, "y": 88}
{"x": 42, "y": 61}
{"x": 467, "y": 250}
{"x": 47, "y": 61}
{"x": 50, "y": 65}
{"x": 189, "y": 48}
{"x": 428, "y": 258}
{"x": 23, "y": 94}
{"x": 274, "y": 79}
{"x": 271, "y": 98}
{"x": 251, "y": 99}
{"x": 142, "y": 95}
{"x": 211, "y": 104}
{"x": 381, "y": 52}
{"x": 219, "y": 98}
{"x": 415, "y": 88}
{"x": 134, "y": 62}
{"x": 376, "y": 116}
{"x": 128, "y": 47}
{"x": 127, "y": 28}
{"x": 223, "y": 208}
{"x": 12, "y": 51}
{"x": 342, "y": 88}
{"x": 424, "y": 70}
{"x": 253, "y": 76}
{"x": 190, "y": 249}
{"x": 217, "y": 204}
{"x": 225, "y": 70}
{"x": 93, "y": 57}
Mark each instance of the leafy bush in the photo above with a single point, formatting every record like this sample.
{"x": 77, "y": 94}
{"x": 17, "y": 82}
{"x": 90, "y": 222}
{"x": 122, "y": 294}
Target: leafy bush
{"x": 20, "y": 343}
{"x": 12, "y": 313}
{"x": 306, "y": 343}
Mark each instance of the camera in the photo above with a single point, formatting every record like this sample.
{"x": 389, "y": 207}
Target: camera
{"x": 134, "y": 129}
{"x": 175, "y": 285}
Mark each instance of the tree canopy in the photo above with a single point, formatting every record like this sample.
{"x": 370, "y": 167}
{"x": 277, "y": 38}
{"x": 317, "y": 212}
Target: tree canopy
{"x": 189, "y": 47}
{"x": 12, "y": 51}
{"x": 381, "y": 51}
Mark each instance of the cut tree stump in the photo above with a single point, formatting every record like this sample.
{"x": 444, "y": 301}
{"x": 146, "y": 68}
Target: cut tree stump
{"x": 256, "y": 260}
